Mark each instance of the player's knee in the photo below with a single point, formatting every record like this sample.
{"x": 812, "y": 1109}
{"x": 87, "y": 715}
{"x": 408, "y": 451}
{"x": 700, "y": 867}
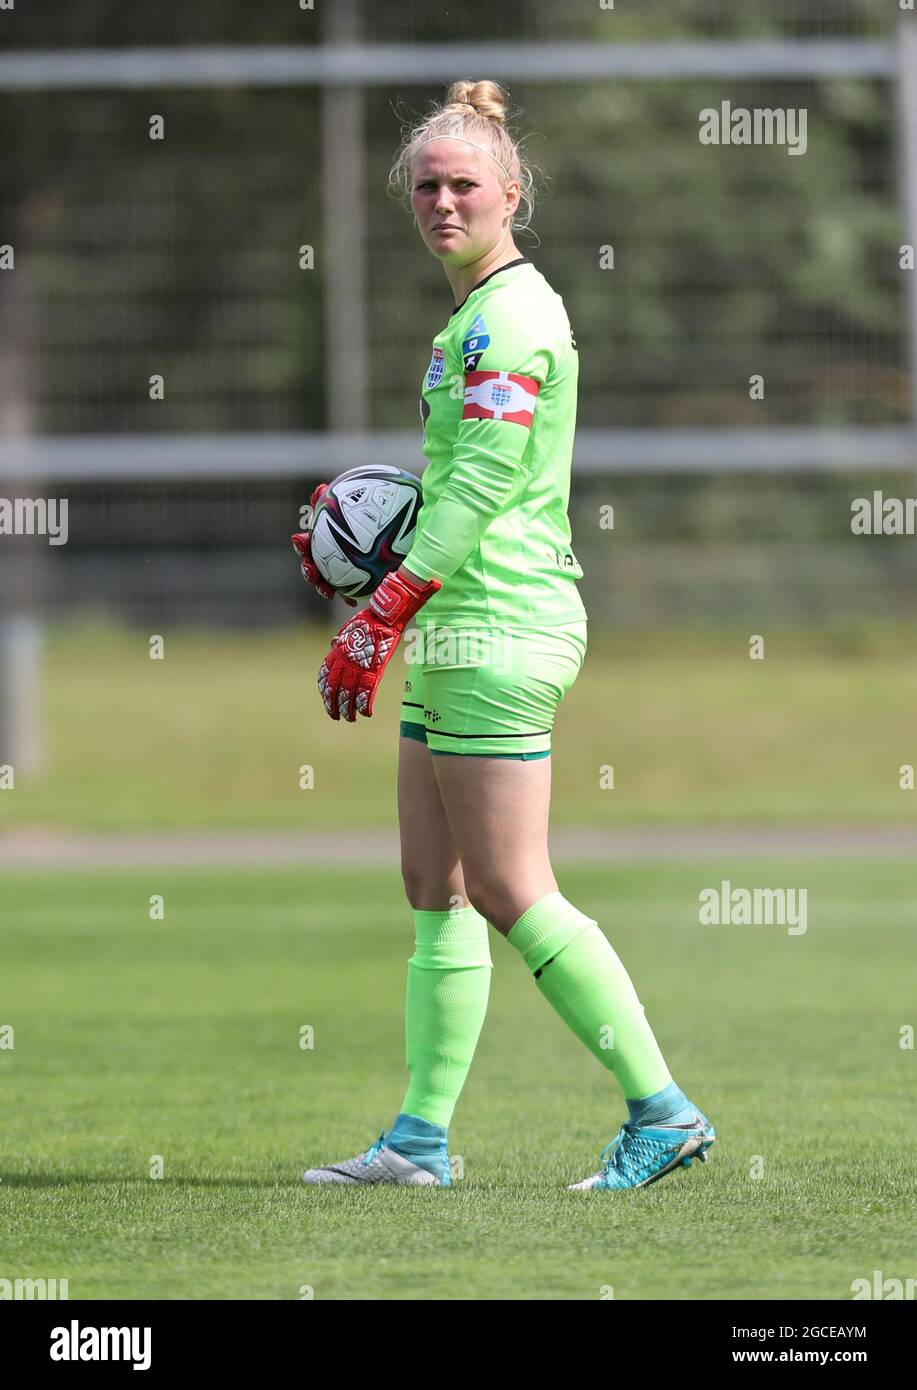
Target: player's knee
{"x": 494, "y": 903}
{"x": 431, "y": 891}
{"x": 415, "y": 887}
{"x": 502, "y": 903}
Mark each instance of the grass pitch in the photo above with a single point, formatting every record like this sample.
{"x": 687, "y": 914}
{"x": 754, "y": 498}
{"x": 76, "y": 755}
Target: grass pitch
{"x": 140, "y": 1040}
{"x": 217, "y": 732}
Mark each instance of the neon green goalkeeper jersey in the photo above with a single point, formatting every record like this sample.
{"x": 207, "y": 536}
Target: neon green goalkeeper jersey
{"x": 499, "y": 411}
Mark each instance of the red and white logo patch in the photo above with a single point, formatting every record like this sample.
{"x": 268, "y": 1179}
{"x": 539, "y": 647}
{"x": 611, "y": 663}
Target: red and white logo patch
{"x": 500, "y": 396}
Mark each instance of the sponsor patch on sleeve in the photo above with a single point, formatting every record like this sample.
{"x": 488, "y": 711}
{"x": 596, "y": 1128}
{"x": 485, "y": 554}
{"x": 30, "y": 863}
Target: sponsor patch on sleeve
{"x": 475, "y": 344}
{"x": 500, "y": 396}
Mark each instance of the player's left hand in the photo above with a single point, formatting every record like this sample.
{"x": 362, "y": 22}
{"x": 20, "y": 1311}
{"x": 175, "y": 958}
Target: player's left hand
{"x": 365, "y": 645}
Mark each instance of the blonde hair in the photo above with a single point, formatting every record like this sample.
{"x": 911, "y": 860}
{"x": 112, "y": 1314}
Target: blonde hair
{"x": 473, "y": 111}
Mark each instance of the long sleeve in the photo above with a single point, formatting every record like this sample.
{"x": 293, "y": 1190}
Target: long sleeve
{"x": 488, "y": 468}
{"x": 492, "y": 453}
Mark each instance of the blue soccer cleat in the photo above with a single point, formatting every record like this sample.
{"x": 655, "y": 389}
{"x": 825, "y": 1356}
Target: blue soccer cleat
{"x": 642, "y": 1153}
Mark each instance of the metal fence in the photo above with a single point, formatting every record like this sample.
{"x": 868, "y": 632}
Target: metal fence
{"x": 182, "y": 257}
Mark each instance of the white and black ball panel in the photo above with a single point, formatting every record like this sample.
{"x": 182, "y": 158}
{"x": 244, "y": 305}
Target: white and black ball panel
{"x": 364, "y": 526}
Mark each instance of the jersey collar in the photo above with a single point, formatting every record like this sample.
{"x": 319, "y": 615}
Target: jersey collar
{"x": 520, "y": 260}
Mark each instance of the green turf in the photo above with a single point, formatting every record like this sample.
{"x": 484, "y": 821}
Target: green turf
{"x": 215, "y": 734}
{"x": 179, "y": 1038}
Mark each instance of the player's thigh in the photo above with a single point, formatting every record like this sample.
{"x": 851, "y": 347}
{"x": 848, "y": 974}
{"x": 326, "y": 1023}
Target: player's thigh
{"x": 491, "y": 748}
{"x": 498, "y": 809}
{"x": 430, "y": 863}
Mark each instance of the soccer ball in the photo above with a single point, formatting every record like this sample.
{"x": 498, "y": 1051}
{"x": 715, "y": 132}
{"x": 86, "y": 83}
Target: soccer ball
{"x": 363, "y": 527}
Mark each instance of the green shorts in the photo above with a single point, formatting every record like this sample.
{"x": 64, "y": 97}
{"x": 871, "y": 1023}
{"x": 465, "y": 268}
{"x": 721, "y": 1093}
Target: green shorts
{"x": 489, "y": 692}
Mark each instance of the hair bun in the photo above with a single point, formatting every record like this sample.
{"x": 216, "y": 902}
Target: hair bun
{"x": 486, "y": 99}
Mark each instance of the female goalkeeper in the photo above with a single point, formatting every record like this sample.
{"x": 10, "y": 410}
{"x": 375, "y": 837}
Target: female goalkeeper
{"x": 492, "y": 578}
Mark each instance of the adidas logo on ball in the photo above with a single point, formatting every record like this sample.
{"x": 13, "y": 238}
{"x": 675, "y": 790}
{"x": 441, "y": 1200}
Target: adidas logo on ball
{"x": 363, "y": 527}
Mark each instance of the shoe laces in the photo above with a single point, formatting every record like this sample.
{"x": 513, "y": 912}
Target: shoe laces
{"x": 374, "y": 1148}
{"x": 630, "y": 1152}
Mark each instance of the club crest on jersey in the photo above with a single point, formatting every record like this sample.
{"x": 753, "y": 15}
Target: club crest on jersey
{"x": 500, "y": 396}
{"x": 435, "y": 370}
{"x": 475, "y": 343}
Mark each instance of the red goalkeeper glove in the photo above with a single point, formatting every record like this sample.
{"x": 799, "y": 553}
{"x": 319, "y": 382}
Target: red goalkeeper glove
{"x": 366, "y": 643}
{"x": 302, "y": 544}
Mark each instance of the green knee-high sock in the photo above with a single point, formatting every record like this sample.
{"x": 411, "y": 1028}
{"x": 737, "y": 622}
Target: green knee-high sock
{"x": 448, "y": 986}
{"x": 580, "y": 975}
